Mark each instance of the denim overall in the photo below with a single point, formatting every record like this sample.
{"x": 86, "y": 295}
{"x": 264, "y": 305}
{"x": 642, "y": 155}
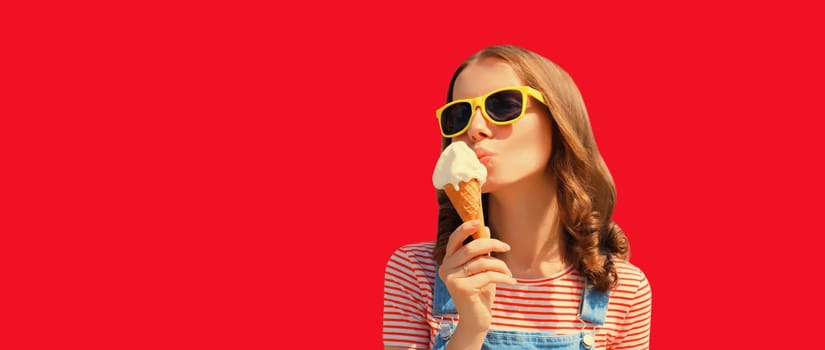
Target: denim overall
{"x": 592, "y": 309}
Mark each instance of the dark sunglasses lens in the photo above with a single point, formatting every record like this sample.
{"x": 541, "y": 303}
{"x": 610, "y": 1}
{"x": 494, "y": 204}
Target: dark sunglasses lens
{"x": 455, "y": 118}
{"x": 504, "y": 105}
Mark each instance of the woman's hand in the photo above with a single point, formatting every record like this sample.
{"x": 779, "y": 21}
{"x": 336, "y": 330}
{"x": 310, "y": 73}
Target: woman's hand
{"x": 471, "y": 274}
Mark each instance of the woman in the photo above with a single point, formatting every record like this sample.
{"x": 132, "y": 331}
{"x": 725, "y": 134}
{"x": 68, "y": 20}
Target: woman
{"x": 554, "y": 275}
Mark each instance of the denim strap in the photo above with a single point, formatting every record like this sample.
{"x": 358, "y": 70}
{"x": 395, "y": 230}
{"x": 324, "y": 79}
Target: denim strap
{"x": 442, "y": 302}
{"x": 593, "y": 307}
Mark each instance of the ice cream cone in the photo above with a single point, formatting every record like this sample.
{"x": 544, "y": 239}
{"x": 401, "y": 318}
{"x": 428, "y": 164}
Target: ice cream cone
{"x": 458, "y": 164}
{"x": 467, "y": 202}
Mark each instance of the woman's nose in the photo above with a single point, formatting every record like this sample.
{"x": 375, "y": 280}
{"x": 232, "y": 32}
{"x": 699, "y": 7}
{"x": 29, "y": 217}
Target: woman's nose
{"x": 479, "y": 127}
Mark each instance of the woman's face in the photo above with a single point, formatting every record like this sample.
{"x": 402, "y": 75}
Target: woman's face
{"x": 515, "y": 153}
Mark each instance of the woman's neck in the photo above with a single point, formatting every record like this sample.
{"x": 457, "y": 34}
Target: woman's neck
{"x": 527, "y": 218}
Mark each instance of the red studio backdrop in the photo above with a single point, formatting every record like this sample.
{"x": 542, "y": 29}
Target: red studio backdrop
{"x": 235, "y": 175}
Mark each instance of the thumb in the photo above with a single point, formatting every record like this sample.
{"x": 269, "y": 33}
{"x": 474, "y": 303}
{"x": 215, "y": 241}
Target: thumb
{"x": 483, "y": 232}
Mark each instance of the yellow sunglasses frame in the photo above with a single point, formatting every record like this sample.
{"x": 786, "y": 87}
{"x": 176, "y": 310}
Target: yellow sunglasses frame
{"x": 478, "y": 102}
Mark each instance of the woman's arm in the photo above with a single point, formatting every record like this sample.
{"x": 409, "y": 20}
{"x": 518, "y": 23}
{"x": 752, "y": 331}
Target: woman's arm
{"x": 405, "y": 308}
{"x": 634, "y": 331}
{"x": 464, "y": 338}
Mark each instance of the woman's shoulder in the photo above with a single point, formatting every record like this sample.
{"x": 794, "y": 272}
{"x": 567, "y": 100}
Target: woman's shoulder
{"x": 630, "y": 275}
{"x": 418, "y": 247}
{"x": 415, "y": 254}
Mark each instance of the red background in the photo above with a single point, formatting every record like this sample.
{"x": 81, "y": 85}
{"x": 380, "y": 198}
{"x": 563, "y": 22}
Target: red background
{"x": 206, "y": 175}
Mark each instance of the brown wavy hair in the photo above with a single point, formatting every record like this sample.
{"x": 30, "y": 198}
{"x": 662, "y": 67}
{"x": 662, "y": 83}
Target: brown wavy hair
{"x": 585, "y": 190}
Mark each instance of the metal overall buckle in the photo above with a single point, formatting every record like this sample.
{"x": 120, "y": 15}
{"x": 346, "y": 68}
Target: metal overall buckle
{"x": 589, "y": 339}
{"x": 445, "y": 329}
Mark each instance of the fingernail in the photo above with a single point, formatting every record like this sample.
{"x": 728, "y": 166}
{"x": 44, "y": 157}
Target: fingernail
{"x": 475, "y": 224}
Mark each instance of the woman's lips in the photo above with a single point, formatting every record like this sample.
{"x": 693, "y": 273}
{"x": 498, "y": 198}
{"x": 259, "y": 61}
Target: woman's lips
{"x": 484, "y": 156}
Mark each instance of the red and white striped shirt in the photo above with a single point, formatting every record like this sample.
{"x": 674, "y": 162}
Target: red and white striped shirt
{"x": 547, "y": 305}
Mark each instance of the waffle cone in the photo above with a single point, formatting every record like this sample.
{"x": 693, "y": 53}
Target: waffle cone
{"x": 467, "y": 202}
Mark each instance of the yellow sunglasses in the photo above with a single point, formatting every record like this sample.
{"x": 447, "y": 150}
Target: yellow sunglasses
{"x": 503, "y": 106}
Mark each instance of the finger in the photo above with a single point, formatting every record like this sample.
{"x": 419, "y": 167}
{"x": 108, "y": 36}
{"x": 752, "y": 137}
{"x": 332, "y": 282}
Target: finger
{"x": 485, "y": 263}
{"x": 476, "y": 265}
{"x": 474, "y": 249}
{"x": 482, "y": 247}
{"x": 483, "y": 279}
{"x": 483, "y": 232}
{"x": 460, "y": 234}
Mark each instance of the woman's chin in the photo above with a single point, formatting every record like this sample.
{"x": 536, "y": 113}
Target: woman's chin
{"x": 489, "y": 186}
